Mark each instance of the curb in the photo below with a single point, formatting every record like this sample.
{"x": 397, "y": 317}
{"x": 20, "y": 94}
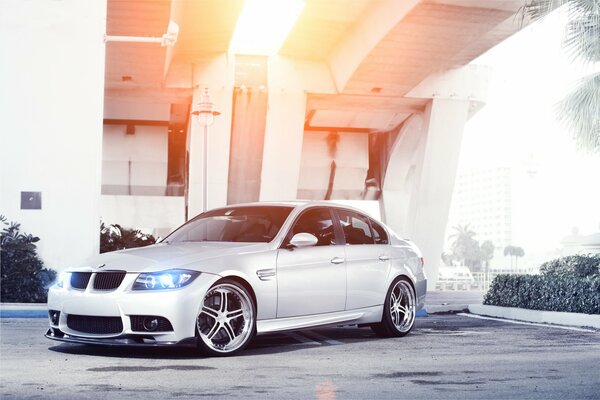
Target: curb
{"x": 23, "y": 310}
{"x": 536, "y": 316}
{"x": 23, "y": 314}
{"x": 446, "y": 308}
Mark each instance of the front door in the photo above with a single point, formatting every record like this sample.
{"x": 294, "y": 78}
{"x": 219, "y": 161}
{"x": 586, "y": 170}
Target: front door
{"x": 311, "y": 280}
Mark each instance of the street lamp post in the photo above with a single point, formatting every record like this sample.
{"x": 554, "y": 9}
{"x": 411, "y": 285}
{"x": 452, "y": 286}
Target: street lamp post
{"x": 205, "y": 114}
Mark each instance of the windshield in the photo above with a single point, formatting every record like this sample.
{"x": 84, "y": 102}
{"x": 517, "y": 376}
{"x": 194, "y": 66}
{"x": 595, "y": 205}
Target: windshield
{"x": 236, "y": 224}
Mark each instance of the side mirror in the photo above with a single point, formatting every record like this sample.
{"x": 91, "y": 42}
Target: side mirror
{"x": 303, "y": 240}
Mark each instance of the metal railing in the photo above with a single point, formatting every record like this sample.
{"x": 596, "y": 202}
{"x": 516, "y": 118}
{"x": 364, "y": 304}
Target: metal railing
{"x": 481, "y": 280}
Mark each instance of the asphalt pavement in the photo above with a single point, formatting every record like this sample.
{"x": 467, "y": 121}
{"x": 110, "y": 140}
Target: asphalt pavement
{"x": 454, "y": 297}
{"x": 446, "y": 356}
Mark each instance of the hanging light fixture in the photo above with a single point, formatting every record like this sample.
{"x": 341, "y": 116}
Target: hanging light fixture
{"x": 205, "y": 110}
{"x": 205, "y": 114}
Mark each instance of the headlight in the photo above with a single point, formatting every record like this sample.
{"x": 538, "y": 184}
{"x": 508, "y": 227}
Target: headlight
{"x": 172, "y": 279}
{"x": 62, "y": 278}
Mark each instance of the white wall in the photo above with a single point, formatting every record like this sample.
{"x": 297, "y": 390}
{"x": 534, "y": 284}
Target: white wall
{"x": 135, "y": 164}
{"x": 158, "y": 215}
{"x": 52, "y": 84}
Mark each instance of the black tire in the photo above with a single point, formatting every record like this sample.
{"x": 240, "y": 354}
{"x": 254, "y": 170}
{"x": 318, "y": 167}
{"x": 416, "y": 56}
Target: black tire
{"x": 397, "y": 323}
{"x": 226, "y": 329}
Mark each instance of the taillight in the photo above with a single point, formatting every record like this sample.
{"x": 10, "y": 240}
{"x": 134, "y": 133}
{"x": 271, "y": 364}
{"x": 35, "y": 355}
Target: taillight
{"x": 422, "y": 261}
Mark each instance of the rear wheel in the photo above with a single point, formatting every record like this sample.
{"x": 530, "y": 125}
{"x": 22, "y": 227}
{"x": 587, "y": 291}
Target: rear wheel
{"x": 227, "y": 320}
{"x": 398, "y": 310}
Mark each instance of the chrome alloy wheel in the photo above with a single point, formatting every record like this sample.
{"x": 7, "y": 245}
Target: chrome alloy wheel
{"x": 226, "y": 321}
{"x": 402, "y": 306}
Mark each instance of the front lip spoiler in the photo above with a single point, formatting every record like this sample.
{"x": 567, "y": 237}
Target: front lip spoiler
{"x": 118, "y": 341}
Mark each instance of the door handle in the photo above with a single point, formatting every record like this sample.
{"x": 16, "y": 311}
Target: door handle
{"x": 337, "y": 260}
{"x": 383, "y": 257}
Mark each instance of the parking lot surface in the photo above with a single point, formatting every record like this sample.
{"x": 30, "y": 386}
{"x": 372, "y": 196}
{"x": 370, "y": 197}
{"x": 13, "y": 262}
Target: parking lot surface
{"x": 445, "y": 357}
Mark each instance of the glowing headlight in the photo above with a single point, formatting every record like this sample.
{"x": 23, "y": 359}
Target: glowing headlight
{"x": 62, "y": 278}
{"x": 172, "y": 279}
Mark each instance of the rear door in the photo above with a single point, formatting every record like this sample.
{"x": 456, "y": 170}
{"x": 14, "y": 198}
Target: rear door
{"x": 367, "y": 259}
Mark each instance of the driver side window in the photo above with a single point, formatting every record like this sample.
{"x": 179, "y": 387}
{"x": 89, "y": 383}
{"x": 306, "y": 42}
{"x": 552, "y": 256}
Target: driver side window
{"x": 317, "y": 222}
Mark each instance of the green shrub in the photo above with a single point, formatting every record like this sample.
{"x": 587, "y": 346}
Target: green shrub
{"x": 545, "y": 292}
{"x": 582, "y": 266}
{"x": 115, "y": 237}
{"x": 570, "y": 284}
{"x": 24, "y": 278}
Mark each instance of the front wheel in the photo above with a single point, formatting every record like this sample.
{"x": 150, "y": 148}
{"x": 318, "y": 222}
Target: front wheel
{"x": 227, "y": 321}
{"x": 399, "y": 310}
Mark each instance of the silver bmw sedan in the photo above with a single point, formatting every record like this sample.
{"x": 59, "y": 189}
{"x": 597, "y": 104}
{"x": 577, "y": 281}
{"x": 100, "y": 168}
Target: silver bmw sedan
{"x": 244, "y": 270}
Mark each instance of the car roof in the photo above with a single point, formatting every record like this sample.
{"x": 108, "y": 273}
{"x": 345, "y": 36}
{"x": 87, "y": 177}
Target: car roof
{"x": 297, "y": 204}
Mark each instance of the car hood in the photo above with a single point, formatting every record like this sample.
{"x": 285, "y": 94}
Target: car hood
{"x": 200, "y": 256}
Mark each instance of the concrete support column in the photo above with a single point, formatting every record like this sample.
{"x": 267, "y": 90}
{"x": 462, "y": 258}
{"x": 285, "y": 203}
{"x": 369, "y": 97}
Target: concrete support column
{"x": 284, "y": 133}
{"x": 217, "y": 74}
{"x": 445, "y": 120}
{"x": 398, "y": 200}
{"x": 419, "y": 179}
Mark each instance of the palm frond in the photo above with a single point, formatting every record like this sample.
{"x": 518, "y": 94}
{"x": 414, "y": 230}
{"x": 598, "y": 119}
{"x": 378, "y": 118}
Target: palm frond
{"x": 581, "y": 7}
{"x": 582, "y": 37}
{"x": 534, "y": 10}
{"x": 579, "y": 112}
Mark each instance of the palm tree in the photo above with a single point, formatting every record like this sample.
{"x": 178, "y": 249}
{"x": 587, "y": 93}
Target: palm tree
{"x": 514, "y": 251}
{"x": 518, "y": 252}
{"x": 487, "y": 253}
{"x": 509, "y": 251}
{"x": 464, "y": 247}
{"x": 580, "y": 109}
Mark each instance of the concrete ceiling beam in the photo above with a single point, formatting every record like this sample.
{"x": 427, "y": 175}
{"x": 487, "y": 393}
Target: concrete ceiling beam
{"x": 347, "y": 56}
{"x": 470, "y": 82}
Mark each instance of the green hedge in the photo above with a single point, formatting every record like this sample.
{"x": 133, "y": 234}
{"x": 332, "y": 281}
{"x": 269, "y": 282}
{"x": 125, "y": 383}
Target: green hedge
{"x": 578, "y": 265}
{"x": 548, "y": 293}
{"x": 22, "y": 273}
{"x": 115, "y": 237}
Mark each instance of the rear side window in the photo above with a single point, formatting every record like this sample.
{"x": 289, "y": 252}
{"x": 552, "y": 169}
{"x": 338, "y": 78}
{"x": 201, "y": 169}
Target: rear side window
{"x": 379, "y": 234}
{"x": 356, "y": 227}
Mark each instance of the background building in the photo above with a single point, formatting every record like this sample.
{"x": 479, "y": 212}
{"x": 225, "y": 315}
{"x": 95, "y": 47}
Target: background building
{"x": 483, "y": 198}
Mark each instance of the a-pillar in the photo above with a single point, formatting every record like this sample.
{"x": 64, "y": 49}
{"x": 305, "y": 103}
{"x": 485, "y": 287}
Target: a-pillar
{"x": 216, "y": 74}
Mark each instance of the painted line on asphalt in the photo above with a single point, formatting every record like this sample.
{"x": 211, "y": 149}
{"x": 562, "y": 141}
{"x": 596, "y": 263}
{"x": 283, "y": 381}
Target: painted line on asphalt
{"x": 321, "y": 338}
{"x": 302, "y": 339}
{"x": 511, "y": 321}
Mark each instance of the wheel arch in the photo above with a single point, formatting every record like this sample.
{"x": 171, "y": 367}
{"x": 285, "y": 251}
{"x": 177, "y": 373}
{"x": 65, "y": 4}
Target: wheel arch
{"x": 244, "y": 283}
{"x": 402, "y": 271}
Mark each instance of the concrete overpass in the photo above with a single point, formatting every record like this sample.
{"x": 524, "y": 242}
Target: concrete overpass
{"x": 365, "y": 100}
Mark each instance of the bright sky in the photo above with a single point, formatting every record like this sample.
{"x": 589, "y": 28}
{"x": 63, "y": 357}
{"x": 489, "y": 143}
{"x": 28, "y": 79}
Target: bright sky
{"x": 531, "y": 73}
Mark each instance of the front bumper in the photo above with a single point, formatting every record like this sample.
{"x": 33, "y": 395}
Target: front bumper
{"x": 179, "y": 306}
{"x": 126, "y": 340}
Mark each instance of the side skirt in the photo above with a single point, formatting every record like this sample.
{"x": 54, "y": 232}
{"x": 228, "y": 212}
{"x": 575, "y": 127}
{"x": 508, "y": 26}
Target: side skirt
{"x": 366, "y": 315}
